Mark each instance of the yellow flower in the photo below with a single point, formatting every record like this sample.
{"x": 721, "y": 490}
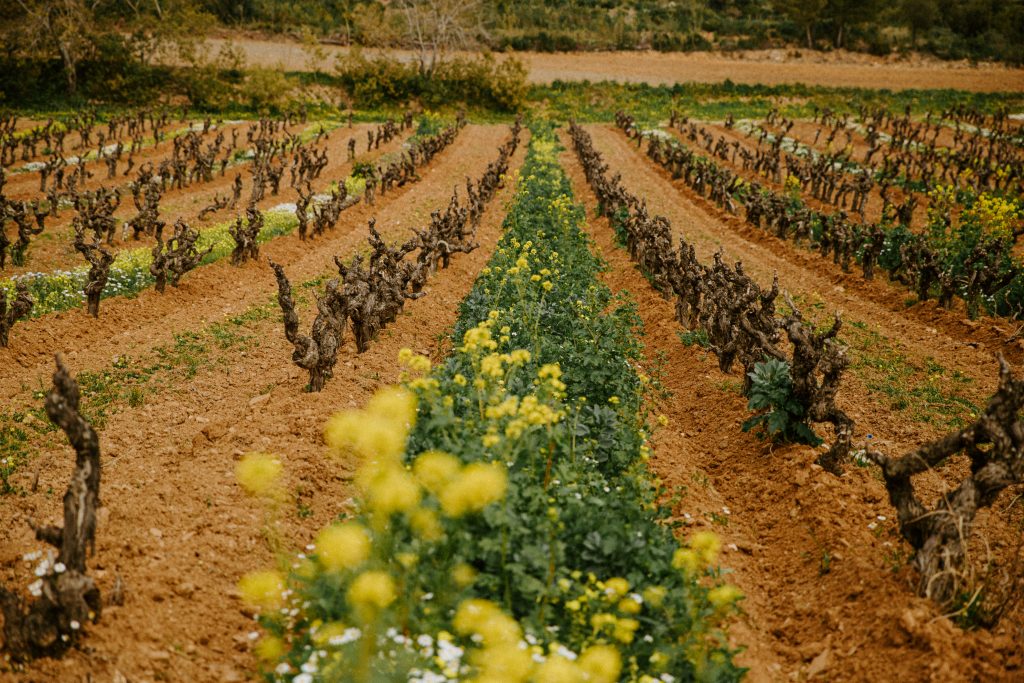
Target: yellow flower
{"x": 551, "y": 370}
{"x": 655, "y": 595}
{"x": 407, "y": 560}
{"x": 425, "y": 523}
{"x": 490, "y": 440}
{"x": 372, "y": 591}
{"x": 625, "y": 629}
{"x": 724, "y": 595}
{"x": 262, "y": 589}
{"x": 392, "y": 490}
{"x": 502, "y": 663}
{"x": 614, "y": 400}
{"x": 477, "y": 486}
{"x": 369, "y": 435}
{"x": 395, "y": 403}
{"x": 706, "y": 545}
{"x": 491, "y": 366}
{"x": 434, "y": 469}
{"x": 459, "y": 380}
{"x": 547, "y": 286}
{"x": 486, "y": 619}
{"x": 270, "y": 648}
{"x": 463, "y": 575}
{"x": 599, "y": 621}
{"x": 629, "y": 606}
{"x": 343, "y": 546}
{"x": 601, "y": 664}
{"x": 519, "y": 356}
{"x": 259, "y": 473}
{"x": 616, "y": 587}
{"x": 322, "y": 635}
{"x": 686, "y": 560}
{"x": 558, "y": 669}
{"x": 663, "y": 420}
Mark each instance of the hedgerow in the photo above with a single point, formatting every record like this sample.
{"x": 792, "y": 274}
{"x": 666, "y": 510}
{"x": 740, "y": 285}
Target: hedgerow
{"x": 507, "y": 527}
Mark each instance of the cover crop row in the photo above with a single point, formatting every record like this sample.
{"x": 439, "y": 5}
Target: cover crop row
{"x": 508, "y": 528}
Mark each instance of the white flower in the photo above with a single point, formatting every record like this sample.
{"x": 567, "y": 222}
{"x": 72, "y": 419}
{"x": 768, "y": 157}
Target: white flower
{"x": 59, "y": 568}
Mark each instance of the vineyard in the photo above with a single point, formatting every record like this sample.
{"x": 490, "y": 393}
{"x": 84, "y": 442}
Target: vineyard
{"x": 641, "y": 395}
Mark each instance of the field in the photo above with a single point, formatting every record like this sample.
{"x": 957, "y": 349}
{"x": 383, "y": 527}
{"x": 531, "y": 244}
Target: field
{"x": 545, "y": 426}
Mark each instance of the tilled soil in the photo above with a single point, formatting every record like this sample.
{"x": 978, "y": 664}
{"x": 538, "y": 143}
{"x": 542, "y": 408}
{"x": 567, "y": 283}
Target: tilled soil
{"x": 966, "y": 345}
{"x": 872, "y": 209}
{"x": 175, "y": 526}
{"x": 219, "y": 289}
{"x": 828, "y": 586}
{"x": 769, "y": 67}
{"x": 56, "y": 250}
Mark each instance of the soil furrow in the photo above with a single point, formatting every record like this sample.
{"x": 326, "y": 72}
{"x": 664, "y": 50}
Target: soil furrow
{"x": 125, "y": 325}
{"x": 177, "y": 528}
{"x": 56, "y": 249}
{"x": 923, "y": 329}
{"x": 818, "y": 557}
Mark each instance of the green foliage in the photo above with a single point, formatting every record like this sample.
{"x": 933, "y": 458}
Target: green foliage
{"x": 62, "y": 290}
{"x": 698, "y": 337}
{"x": 580, "y": 507}
{"x": 481, "y": 81}
{"x": 781, "y": 417}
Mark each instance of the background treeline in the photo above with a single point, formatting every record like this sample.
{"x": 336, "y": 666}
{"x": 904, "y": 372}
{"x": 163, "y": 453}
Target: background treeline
{"x": 950, "y": 29}
{"x": 127, "y": 52}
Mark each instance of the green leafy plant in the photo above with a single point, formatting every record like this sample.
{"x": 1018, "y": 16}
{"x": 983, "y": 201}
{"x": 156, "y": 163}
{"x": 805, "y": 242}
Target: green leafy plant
{"x": 780, "y": 416}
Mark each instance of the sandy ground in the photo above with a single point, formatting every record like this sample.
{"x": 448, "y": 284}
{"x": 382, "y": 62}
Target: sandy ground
{"x": 769, "y": 67}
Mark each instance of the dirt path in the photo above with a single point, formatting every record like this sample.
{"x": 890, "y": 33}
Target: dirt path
{"x": 818, "y": 557}
{"x": 770, "y": 67}
{"x": 176, "y": 526}
{"x": 209, "y": 292}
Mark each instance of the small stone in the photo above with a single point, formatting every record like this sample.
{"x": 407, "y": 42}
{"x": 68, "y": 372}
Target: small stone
{"x": 820, "y": 663}
{"x": 185, "y": 589}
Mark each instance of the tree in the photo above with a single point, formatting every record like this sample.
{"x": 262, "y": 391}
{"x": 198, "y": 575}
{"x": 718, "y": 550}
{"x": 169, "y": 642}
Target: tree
{"x": 918, "y": 15}
{"x": 436, "y": 27}
{"x": 806, "y": 14}
{"x": 61, "y": 27}
{"x": 846, "y": 13}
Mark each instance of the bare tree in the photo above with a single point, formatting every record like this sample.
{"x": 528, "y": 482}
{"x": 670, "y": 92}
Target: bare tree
{"x": 61, "y": 26}
{"x": 436, "y": 27}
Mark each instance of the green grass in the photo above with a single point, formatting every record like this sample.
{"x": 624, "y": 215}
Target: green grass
{"x": 126, "y": 383}
{"x": 649, "y": 104}
{"x": 923, "y": 391}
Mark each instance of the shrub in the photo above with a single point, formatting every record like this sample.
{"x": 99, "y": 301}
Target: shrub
{"x": 481, "y": 81}
{"x": 781, "y": 417}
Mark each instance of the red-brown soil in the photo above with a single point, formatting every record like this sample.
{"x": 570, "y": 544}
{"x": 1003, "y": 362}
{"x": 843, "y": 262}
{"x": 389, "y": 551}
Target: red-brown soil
{"x": 829, "y": 591}
{"x": 769, "y": 67}
{"x": 220, "y": 289}
{"x": 57, "y": 251}
{"x": 175, "y": 526}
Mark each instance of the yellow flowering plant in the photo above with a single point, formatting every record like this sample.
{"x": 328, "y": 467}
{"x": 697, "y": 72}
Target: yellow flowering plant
{"x": 507, "y": 527}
